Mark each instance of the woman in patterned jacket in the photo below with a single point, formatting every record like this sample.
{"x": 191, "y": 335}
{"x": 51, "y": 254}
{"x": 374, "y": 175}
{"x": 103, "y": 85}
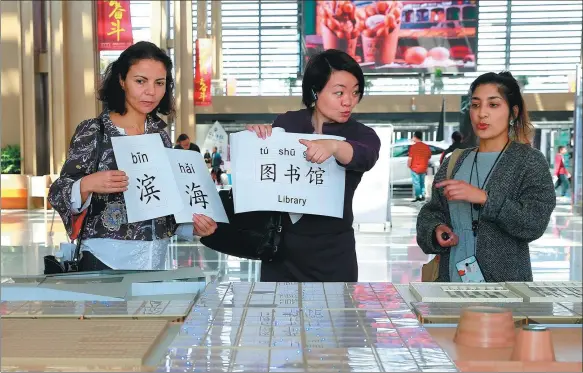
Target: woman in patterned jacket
{"x": 136, "y": 87}
{"x": 499, "y": 198}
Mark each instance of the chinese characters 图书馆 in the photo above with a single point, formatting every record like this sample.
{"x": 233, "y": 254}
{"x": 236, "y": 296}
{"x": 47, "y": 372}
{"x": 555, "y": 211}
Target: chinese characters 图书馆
{"x": 268, "y": 172}
{"x": 315, "y": 174}
{"x": 293, "y": 173}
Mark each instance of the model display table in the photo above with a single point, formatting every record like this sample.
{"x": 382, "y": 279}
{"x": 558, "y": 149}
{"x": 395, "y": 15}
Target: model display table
{"x": 74, "y": 345}
{"x": 276, "y": 327}
{"x": 304, "y": 327}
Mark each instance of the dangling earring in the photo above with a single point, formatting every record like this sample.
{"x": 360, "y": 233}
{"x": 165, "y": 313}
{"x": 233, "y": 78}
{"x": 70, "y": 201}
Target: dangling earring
{"x": 314, "y": 98}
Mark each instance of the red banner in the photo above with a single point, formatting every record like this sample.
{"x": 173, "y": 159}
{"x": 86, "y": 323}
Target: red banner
{"x": 114, "y": 25}
{"x": 203, "y": 72}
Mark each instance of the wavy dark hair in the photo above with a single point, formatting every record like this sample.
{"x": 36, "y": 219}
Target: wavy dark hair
{"x": 520, "y": 128}
{"x": 111, "y": 92}
{"x": 320, "y": 67}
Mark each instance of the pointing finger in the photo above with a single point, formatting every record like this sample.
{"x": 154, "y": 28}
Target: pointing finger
{"x": 305, "y": 142}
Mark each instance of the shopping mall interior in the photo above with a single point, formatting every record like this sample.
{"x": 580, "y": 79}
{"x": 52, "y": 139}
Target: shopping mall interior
{"x": 238, "y": 64}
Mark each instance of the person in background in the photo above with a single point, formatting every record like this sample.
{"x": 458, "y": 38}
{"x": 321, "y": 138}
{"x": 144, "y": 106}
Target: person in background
{"x": 418, "y": 162}
{"x": 135, "y": 89}
{"x": 207, "y": 158}
{"x": 183, "y": 142}
{"x": 561, "y": 172}
{"x": 216, "y": 175}
{"x": 457, "y": 139}
{"x": 321, "y": 248}
{"x": 216, "y": 160}
{"x": 500, "y": 196}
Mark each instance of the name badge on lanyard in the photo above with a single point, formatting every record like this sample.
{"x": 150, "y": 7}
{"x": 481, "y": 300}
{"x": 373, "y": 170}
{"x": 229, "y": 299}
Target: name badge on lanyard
{"x": 469, "y": 270}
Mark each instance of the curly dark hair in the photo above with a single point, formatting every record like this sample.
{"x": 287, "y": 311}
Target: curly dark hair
{"x": 111, "y": 92}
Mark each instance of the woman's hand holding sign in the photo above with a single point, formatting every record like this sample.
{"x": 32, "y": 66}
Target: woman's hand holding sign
{"x": 104, "y": 182}
{"x": 263, "y": 131}
{"x": 203, "y": 225}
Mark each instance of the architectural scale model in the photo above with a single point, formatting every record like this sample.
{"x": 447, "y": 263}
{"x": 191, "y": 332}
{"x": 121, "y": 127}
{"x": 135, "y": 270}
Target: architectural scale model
{"x": 304, "y": 327}
{"x": 548, "y": 291}
{"x": 463, "y": 292}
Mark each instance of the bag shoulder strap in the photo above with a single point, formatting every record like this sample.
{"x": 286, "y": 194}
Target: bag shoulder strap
{"x": 98, "y": 146}
{"x": 452, "y": 161}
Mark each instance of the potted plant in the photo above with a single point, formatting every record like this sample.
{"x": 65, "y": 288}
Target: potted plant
{"x": 290, "y": 82}
{"x": 367, "y": 85}
{"x": 14, "y": 190}
{"x": 522, "y": 81}
{"x": 437, "y": 79}
{"x": 10, "y": 159}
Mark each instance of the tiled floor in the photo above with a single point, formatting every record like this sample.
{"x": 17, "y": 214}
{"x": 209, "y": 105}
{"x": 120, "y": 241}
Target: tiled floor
{"x": 391, "y": 256}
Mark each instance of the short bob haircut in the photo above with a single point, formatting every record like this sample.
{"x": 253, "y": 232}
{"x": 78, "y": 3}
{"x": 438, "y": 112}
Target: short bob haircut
{"x": 320, "y": 67}
{"x": 111, "y": 93}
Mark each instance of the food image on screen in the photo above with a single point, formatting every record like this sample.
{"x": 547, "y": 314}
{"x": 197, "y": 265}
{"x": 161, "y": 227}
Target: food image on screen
{"x": 399, "y": 36}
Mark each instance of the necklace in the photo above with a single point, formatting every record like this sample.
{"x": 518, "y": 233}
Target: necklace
{"x": 475, "y": 206}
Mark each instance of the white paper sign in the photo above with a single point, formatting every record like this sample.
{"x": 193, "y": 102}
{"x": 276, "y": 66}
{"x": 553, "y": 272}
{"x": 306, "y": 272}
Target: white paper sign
{"x": 196, "y": 187}
{"x": 273, "y": 175}
{"x": 152, "y": 191}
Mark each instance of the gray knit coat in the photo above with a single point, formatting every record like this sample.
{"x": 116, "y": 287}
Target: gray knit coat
{"x": 521, "y": 199}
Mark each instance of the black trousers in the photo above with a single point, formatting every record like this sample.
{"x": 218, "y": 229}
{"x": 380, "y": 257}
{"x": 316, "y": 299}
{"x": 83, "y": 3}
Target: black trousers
{"x": 89, "y": 262}
{"x": 323, "y": 258}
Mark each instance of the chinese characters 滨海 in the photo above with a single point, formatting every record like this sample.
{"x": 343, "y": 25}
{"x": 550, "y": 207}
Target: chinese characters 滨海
{"x": 197, "y": 196}
{"x": 147, "y": 188}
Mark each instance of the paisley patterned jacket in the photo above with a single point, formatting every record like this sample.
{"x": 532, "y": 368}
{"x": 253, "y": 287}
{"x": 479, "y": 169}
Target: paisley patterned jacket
{"x": 107, "y": 216}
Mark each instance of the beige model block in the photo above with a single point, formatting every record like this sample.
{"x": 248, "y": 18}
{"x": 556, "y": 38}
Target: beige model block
{"x": 78, "y": 345}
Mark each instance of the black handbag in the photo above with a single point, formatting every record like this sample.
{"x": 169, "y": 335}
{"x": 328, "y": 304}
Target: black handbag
{"x": 250, "y": 235}
{"x": 52, "y": 264}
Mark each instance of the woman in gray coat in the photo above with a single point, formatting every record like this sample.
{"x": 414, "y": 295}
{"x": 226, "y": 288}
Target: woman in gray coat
{"x": 499, "y": 197}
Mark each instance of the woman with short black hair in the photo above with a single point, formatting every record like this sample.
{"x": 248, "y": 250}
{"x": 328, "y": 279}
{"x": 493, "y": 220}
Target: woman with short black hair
{"x": 321, "y": 248}
{"x": 135, "y": 89}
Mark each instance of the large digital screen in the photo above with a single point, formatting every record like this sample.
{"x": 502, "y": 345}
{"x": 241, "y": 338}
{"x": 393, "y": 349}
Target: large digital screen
{"x": 398, "y": 36}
